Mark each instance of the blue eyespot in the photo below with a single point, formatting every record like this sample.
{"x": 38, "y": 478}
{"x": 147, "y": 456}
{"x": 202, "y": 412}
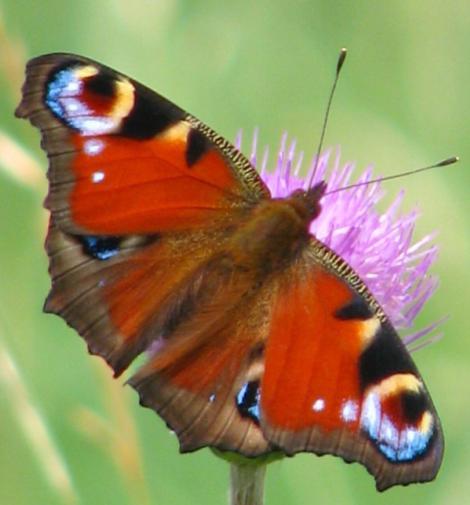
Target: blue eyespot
{"x": 248, "y": 399}
{"x": 398, "y": 444}
{"x": 65, "y": 98}
{"x": 63, "y": 83}
{"x": 100, "y": 248}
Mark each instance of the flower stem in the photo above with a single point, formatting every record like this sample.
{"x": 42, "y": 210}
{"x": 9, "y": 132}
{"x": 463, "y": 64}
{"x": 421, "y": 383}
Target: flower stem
{"x": 247, "y": 484}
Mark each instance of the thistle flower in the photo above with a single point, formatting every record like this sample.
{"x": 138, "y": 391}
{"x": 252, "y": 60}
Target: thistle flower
{"x": 379, "y": 246}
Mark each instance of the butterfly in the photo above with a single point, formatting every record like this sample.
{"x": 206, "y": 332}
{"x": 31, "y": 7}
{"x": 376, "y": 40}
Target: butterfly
{"x": 164, "y": 240}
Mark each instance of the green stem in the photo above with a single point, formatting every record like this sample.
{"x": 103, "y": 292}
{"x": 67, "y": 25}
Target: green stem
{"x": 247, "y": 484}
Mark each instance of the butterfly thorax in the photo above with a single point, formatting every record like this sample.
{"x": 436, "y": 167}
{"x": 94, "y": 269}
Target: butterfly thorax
{"x": 276, "y": 230}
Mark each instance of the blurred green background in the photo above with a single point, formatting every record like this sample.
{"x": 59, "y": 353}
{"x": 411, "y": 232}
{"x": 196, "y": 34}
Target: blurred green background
{"x": 403, "y": 102}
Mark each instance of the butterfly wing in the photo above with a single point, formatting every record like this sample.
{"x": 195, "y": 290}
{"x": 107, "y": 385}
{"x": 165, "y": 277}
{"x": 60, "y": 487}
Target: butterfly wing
{"x": 139, "y": 193}
{"x": 122, "y": 293}
{"x": 338, "y": 379}
{"x": 123, "y": 159}
{"x": 194, "y": 382}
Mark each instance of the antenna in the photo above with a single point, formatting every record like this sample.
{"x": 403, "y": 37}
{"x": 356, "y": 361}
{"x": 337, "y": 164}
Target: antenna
{"x": 339, "y": 65}
{"x": 443, "y": 163}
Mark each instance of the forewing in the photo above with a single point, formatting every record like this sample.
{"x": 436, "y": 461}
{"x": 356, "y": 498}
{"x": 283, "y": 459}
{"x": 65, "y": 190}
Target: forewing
{"x": 338, "y": 379}
{"x": 123, "y": 159}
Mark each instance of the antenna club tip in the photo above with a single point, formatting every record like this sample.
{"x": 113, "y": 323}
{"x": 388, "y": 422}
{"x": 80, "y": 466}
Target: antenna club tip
{"x": 342, "y": 56}
{"x": 448, "y": 161}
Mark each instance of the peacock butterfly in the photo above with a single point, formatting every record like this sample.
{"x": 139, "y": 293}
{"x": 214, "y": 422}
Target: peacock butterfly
{"x": 163, "y": 238}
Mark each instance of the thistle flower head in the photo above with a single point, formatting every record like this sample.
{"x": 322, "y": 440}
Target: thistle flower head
{"x": 378, "y": 245}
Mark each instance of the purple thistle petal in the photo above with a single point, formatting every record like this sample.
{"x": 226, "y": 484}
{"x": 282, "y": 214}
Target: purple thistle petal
{"x": 377, "y": 245}
{"x": 417, "y": 336}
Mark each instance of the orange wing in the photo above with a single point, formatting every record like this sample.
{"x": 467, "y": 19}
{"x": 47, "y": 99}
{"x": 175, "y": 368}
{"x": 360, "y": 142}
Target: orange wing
{"x": 194, "y": 380}
{"x": 339, "y": 380}
{"x": 123, "y": 159}
{"x": 123, "y": 293}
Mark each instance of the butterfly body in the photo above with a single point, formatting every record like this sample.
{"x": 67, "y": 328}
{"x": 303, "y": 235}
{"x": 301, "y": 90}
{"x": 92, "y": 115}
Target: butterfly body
{"x": 164, "y": 239}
